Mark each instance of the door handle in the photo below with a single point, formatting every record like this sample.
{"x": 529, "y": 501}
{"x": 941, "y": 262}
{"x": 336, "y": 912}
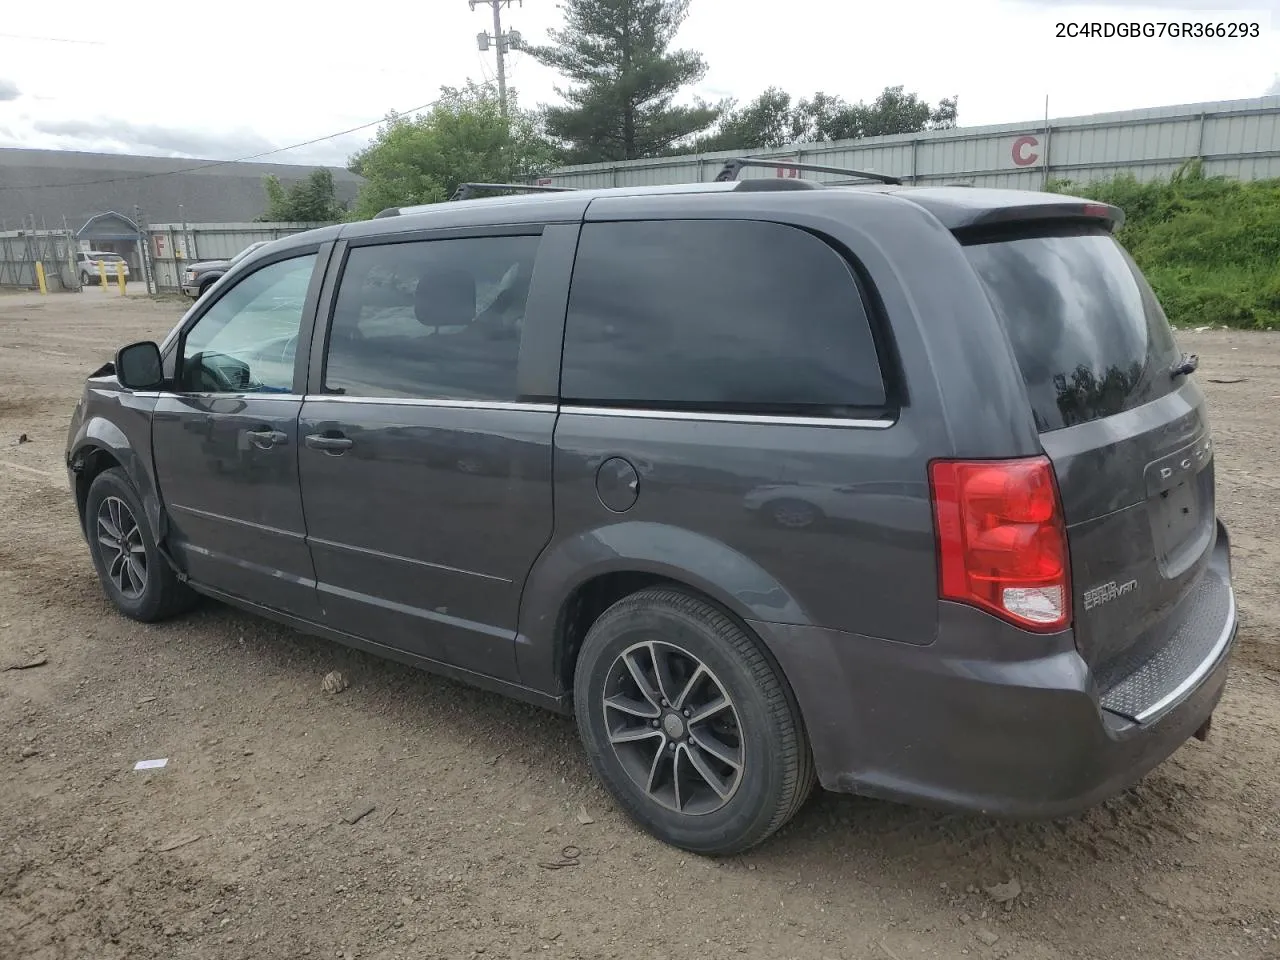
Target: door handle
{"x": 264, "y": 438}
{"x": 332, "y": 445}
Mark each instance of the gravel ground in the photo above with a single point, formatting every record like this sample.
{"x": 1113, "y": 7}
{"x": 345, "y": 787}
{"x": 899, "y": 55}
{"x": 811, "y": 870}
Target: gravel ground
{"x": 238, "y": 847}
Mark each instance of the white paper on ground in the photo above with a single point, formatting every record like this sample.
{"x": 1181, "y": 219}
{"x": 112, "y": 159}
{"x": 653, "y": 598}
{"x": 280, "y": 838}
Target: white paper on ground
{"x": 150, "y": 764}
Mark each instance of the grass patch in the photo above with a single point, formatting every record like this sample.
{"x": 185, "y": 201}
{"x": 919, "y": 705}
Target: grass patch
{"x": 1209, "y": 246}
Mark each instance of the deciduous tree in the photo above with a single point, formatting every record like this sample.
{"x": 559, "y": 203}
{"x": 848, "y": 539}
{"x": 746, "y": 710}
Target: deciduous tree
{"x": 463, "y": 138}
{"x": 774, "y": 119}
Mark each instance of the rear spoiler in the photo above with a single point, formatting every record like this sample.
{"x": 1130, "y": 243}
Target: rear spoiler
{"x": 1065, "y": 210}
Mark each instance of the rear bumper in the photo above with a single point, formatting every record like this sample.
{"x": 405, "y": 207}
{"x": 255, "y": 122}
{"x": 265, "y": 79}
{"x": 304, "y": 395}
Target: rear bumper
{"x": 973, "y": 722}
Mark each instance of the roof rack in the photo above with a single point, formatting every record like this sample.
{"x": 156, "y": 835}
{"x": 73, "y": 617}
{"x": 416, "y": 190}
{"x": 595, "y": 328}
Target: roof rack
{"x": 733, "y": 167}
{"x": 466, "y": 191}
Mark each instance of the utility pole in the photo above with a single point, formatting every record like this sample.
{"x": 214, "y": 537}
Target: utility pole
{"x": 502, "y": 42}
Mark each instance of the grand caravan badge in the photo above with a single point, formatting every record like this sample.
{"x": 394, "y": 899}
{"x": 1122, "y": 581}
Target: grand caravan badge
{"x": 1106, "y": 592}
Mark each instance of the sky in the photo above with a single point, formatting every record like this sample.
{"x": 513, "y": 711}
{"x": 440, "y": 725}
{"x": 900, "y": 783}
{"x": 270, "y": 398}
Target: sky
{"x": 238, "y": 78}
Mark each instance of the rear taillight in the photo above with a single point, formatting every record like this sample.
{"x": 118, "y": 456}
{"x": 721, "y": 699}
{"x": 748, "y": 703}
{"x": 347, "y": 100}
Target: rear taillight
{"x": 1002, "y": 544}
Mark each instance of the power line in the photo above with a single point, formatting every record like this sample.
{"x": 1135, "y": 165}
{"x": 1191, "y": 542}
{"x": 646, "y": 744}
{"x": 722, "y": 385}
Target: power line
{"x": 484, "y": 69}
{"x": 210, "y": 164}
{"x": 21, "y": 36}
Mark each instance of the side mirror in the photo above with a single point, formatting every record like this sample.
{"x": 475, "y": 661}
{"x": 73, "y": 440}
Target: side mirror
{"x": 139, "y": 366}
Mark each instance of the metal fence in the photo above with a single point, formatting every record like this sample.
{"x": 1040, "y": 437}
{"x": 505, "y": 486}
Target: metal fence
{"x": 171, "y": 246}
{"x": 164, "y": 250}
{"x": 1234, "y": 138}
{"x": 21, "y": 250}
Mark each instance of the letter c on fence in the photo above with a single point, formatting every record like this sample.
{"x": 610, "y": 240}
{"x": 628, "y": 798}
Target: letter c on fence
{"x": 1020, "y": 155}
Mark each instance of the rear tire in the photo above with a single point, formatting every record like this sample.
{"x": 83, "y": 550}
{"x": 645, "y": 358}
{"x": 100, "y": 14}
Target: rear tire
{"x": 84, "y": 279}
{"x": 135, "y": 576}
{"x": 709, "y": 777}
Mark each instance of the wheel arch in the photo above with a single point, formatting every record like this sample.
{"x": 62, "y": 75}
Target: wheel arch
{"x": 579, "y": 578}
{"x": 101, "y": 445}
{"x": 91, "y": 461}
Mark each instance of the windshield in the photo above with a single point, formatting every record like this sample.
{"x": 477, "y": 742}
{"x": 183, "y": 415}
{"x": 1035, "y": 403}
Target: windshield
{"x": 1089, "y": 335}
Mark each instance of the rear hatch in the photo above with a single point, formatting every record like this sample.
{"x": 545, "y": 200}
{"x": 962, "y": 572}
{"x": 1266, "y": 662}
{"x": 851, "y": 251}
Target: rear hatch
{"x": 110, "y": 262}
{"x": 1130, "y": 444}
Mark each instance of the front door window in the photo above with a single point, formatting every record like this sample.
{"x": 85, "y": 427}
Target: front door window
{"x": 247, "y": 341}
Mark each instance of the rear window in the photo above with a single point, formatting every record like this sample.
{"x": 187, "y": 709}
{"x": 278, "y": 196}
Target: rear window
{"x": 1089, "y": 335}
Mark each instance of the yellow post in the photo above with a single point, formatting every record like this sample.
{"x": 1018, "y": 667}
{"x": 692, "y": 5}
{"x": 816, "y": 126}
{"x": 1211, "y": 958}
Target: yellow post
{"x": 120, "y": 275}
{"x": 40, "y": 277}
{"x": 102, "y": 274}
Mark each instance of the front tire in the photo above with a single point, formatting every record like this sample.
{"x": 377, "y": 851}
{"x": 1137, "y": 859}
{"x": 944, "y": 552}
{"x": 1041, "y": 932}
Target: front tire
{"x": 689, "y": 724}
{"x": 84, "y": 279}
{"x": 135, "y": 576}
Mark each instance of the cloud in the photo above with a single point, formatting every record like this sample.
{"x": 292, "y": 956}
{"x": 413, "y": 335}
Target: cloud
{"x": 106, "y": 135}
{"x": 8, "y": 90}
{"x": 129, "y": 137}
{"x": 1274, "y": 89}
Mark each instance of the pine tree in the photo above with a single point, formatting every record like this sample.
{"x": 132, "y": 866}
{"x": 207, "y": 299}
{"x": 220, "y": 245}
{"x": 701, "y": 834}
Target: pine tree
{"x": 625, "y": 79}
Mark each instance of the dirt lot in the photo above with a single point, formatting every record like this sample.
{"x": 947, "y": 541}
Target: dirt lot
{"x": 238, "y": 848}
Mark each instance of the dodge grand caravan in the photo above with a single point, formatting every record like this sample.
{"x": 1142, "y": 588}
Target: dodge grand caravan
{"x": 905, "y": 491}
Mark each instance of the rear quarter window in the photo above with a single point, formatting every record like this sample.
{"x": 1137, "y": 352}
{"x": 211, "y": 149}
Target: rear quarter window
{"x": 727, "y": 315}
{"x": 1090, "y": 338}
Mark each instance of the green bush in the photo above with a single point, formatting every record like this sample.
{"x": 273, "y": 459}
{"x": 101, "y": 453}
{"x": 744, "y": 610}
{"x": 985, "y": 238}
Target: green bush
{"x": 1209, "y": 246}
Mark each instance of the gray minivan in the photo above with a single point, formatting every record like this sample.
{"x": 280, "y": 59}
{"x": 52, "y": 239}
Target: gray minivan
{"x": 908, "y": 491}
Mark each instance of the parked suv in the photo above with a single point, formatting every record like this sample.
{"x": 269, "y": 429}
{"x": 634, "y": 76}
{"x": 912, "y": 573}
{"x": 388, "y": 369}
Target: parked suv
{"x": 88, "y": 261}
{"x": 1010, "y": 593}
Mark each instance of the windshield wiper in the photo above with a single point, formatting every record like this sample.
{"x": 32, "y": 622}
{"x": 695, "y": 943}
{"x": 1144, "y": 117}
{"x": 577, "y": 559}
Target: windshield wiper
{"x": 1187, "y": 365}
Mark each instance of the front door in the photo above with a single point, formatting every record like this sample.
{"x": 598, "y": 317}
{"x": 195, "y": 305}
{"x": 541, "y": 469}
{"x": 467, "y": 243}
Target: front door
{"x": 426, "y": 478}
{"x": 225, "y": 441}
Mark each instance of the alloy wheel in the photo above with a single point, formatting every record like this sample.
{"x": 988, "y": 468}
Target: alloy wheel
{"x": 673, "y": 727}
{"x": 123, "y": 552}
